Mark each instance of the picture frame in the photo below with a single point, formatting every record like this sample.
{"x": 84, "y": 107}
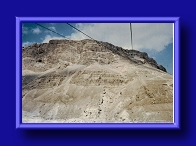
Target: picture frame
{"x": 176, "y": 74}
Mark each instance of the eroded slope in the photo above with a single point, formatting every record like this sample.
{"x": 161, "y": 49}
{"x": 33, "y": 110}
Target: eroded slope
{"x": 89, "y": 81}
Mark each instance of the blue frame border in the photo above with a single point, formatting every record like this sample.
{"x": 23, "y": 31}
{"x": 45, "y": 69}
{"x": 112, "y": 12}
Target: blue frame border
{"x": 175, "y": 125}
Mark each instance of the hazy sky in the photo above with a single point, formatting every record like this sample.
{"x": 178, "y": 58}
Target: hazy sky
{"x": 154, "y": 38}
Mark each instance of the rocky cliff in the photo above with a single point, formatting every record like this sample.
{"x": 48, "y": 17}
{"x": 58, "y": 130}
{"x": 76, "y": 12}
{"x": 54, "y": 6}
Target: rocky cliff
{"x": 83, "y": 52}
{"x": 91, "y": 81}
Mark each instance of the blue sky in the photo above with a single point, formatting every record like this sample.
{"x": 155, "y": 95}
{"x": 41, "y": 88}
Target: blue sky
{"x": 156, "y": 39}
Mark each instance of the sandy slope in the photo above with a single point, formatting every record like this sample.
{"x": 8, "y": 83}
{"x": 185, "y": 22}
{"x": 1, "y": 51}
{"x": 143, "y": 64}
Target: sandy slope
{"x": 78, "y": 89}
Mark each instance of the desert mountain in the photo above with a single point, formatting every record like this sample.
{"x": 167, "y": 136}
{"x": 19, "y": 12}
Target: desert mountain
{"x": 92, "y": 81}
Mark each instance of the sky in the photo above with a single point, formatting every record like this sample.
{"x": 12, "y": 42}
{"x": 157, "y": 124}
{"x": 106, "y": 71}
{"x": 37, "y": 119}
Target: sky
{"x": 156, "y": 39}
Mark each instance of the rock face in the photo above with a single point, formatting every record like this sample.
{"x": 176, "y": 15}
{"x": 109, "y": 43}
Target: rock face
{"x": 91, "y": 81}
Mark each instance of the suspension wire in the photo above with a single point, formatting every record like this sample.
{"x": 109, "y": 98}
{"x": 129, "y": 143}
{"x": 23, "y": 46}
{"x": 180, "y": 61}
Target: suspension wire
{"x": 50, "y": 30}
{"x": 80, "y": 31}
{"x": 91, "y": 37}
{"x": 87, "y": 35}
{"x": 131, "y": 36}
